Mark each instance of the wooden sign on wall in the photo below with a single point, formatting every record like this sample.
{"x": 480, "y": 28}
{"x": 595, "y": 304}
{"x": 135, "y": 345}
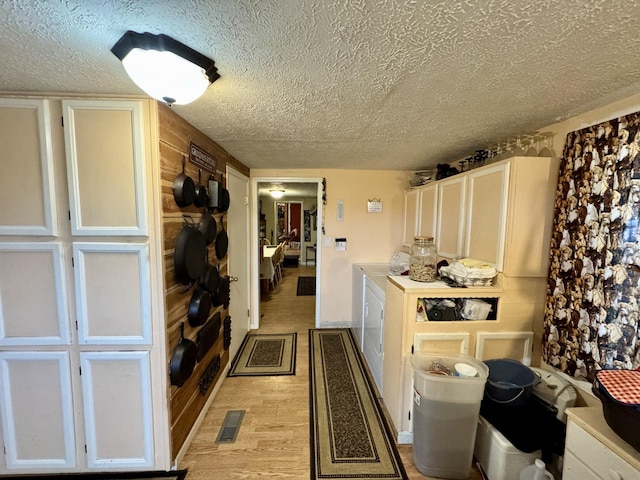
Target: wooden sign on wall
{"x": 202, "y": 159}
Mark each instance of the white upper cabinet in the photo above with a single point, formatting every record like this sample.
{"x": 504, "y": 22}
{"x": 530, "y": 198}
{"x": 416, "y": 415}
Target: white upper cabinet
{"x": 27, "y": 187}
{"x": 499, "y": 213}
{"x": 428, "y": 210}
{"x": 451, "y": 216}
{"x": 106, "y": 171}
{"x": 487, "y": 213}
{"x": 410, "y": 216}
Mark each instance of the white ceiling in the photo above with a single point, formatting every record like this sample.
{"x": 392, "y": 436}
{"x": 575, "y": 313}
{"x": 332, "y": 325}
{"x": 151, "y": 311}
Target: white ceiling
{"x": 367, "y": 84}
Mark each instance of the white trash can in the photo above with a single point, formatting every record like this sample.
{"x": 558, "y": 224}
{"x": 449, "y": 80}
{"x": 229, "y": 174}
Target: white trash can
{"x": 446, "y": 407}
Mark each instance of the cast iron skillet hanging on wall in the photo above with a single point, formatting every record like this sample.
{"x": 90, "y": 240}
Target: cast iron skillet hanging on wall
{"x": 208, "y": 227}
{"x": 183, "y": 360}
{"x": 223, "y": 294}
{"x": 184, "y": 189}
{"x": 209, "y": 279}
{"x": 222, "y": 241}
{"x": 201, "y": 197}
{"x": 224, "y": 201}
{"x": 189, "y": 256}
{"x": 199, "y": 307}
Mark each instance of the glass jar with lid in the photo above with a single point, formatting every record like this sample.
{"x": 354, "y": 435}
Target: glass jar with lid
{"x": 423, "y": 260}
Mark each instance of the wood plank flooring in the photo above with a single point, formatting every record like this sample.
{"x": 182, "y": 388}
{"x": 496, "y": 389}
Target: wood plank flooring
{"x": 273, "y": 441}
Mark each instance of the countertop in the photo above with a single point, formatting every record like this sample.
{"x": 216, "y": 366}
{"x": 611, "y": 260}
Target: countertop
{"x": 592, "y": 421}
{"x": 408, "y": 285}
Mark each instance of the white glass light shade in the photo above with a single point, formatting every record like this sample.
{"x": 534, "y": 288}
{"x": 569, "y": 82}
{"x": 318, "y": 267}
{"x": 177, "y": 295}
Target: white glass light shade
{"x": 277, "y": 193}
{"x": 166, "y": 76}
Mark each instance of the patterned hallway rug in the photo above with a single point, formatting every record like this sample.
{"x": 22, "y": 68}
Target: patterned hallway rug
{"x": 306, "y": 286}
{"x": 174, "y": 475}
{"x": 349, "y": 436}
{"x": 265, "y": 355}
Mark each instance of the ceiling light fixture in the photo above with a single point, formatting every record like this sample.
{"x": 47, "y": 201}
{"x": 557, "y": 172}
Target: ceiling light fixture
{"x": 164, "y": 68}
{"x": 277, "y": 191}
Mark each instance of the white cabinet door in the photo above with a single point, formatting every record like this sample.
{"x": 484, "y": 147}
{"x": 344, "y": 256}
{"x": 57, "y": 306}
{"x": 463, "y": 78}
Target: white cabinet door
{"x": 410, "y": 216}
{"x": 373, "y": 332}
{"x": 428, "y": 210}
{"x": 487, "y": 214}
{"x": 37, "y": 411}
{"x": 106, "y": 172}
{"x": 451, "y": 216}
{"x": 116, "y": 389}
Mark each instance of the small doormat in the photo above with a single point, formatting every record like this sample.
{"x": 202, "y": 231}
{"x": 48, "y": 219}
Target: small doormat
{"x": 349, "y": 435}
{"x": 306, "y": 286}
{"x": 175, "y": 475}
{"x": 265, "y": 355}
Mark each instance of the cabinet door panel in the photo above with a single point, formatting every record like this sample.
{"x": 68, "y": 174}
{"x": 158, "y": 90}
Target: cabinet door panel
{"x": 515, "y": 345}
{"x": 26, "y": 169}
{"x": 37, "y": 410}
{"x": 105, "y": 167}
{"x": 487, "y": 214}
{"x": 373, "y": 333}
{"x": 428, "y": 204}
{"x": 30, "y": 272}
{"x": 410, "y": 216}
{"x": 112, "y": 293}
{"x": 451, "y": 212}
{"x": 116, "y": 389}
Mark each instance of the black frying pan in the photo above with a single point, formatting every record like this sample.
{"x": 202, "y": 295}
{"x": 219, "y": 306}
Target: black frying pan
{"x": 222, "y": 295}
{"x": 184, "y": 189}
{"x": 209, "y": 279}
{"x": 201, "y": 197}
{"x": 224, "y": 201}
{"x": 214, "y": 193}
{"x": 199, "y": 307}
{"x": 222, "y": 241}
{"x": 189, "y": 256}
{"x": 183, "y": 360}
{"x": 208, "y": 227}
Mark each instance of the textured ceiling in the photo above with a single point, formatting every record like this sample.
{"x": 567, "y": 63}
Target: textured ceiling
{"x": 368, "y": 84}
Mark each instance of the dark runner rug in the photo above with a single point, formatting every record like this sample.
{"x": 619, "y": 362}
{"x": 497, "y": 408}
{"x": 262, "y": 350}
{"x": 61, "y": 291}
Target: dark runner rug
{"x": 265, "y": 355}
{"x": 349, "y": 436}
{"x": 175, "y": 475}
{"x": 306, "y": 286}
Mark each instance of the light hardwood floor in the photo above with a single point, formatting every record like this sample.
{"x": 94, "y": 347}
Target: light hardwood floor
{"x": 273, "y": 441}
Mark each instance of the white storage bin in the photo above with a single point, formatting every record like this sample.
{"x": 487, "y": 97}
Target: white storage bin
{"x": 499, "y": 459}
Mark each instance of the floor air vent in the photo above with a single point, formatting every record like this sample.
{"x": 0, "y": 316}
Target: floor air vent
{"x": 230, "y": 426}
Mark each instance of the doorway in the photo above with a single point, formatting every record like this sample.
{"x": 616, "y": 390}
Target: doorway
{"x": 277, "y": 220}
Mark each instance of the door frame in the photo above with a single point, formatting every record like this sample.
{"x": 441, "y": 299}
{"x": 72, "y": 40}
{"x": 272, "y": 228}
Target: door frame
{"x": 253, "y": 252}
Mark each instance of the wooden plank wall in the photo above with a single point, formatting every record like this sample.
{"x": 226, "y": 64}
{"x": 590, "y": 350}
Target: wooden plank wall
{"x": 175, "y": 135}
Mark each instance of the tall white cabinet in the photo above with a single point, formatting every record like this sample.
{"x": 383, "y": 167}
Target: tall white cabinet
{"x": 82, "y": 374}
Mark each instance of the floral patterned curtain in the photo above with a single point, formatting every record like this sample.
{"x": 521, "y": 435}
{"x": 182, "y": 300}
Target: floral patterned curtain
{"x": 591, "y": 312}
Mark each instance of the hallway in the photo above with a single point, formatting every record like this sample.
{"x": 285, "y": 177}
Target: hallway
{"x": 273, "y": 441}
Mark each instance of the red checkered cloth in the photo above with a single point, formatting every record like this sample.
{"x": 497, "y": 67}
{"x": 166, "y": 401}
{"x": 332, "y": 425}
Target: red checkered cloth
{"x": 622, "y": 385}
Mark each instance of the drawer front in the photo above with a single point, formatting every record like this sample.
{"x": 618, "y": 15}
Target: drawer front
{"x": 599, "y": 458}
{"x": 574, "y": 469}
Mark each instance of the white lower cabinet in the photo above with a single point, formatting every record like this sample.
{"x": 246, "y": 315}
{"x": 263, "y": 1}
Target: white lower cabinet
{"x": 116, "y": 392}
{"x": 37, "y": 410}
{"x": 601, "y": 457}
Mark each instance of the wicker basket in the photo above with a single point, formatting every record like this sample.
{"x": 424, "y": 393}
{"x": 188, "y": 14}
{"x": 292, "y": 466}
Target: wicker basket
{"x": 467, "y": 281}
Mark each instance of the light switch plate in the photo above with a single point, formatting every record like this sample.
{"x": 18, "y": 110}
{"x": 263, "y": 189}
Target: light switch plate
{"x": 340, "y": 210}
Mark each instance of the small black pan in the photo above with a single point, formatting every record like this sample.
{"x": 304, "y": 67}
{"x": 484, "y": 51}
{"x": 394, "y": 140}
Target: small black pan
{"x": 224, "y": 200}
{"x": 199, "y": 307}
{"x": 223, "y": 294}
{"x": 183, "y": 360}
{"x": 201, "y": 197}
{"x": 184, "y": 189}
{"x": 208, "y": 227}
{"x": 222, "y": 241}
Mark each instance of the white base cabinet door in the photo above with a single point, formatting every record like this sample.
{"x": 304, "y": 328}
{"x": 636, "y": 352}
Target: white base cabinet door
{"x": 116, "y": 390}
{"x": 37, "y": 411}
